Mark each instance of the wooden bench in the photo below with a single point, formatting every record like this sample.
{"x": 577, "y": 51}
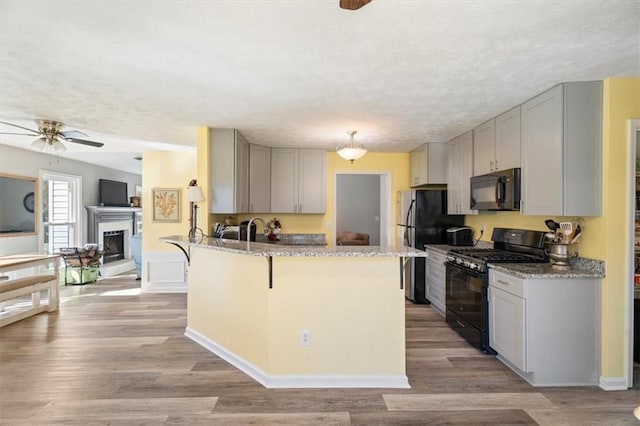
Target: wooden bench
{"x": 32, "y": 285}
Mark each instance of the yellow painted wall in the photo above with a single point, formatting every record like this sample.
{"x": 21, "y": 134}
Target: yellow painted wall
{"x": 165, "y": 169}
{"x": 396, "y": 164}
{"x": 603, "y": 237}
{"x": 353, "y": 307}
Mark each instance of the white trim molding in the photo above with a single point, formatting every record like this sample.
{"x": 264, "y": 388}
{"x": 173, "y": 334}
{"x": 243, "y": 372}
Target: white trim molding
{"x": 164, "y": 272}
{"x": 613, "y": 383}
{"x": 633, "y": 127}
{"x": 299, "y": 381}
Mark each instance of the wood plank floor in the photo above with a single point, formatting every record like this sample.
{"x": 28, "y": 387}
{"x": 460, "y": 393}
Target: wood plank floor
{"x": 112, "y": 356}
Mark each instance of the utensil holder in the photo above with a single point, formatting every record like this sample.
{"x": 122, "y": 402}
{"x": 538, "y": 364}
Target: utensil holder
{"x": 561, "y": 253}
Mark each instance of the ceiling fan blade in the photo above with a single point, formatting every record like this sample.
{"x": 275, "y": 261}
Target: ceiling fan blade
{"x": 353, "y": 4}
{"x": 69, "y": 134}
{"x": 36, "y": 132}
{"x": 85, "y": 142}
{"x": 20, "y": 134}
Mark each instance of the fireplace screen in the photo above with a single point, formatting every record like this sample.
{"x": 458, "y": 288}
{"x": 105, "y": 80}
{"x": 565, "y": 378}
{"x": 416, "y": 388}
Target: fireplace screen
{"x": 113, "y": 245}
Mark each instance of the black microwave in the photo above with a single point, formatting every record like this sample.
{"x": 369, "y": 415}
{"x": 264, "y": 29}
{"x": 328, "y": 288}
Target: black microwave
{"x": 496, "y": 191}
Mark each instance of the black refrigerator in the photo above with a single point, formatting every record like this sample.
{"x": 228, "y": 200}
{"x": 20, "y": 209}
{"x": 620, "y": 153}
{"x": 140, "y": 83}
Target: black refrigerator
{"x": 424, "y": 220}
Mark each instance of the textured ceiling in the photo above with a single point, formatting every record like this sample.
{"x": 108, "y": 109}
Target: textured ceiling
{"x": 143, "y": 75}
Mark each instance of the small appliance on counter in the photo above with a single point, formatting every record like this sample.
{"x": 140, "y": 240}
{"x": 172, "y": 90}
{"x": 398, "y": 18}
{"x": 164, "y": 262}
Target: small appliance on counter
{"x": 460, "y": 236}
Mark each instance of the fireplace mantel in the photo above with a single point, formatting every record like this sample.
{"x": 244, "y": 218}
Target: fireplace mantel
{"x": 99, "y": 215}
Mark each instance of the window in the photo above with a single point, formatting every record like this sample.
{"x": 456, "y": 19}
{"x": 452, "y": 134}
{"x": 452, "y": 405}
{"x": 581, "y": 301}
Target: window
{"x": 61, "y": 211}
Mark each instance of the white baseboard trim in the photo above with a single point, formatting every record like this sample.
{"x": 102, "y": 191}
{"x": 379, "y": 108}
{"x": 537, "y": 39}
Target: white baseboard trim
{"x": 613, "y": 383}
{"x": 295, "y": 380}
{"x": 164, "y": 272}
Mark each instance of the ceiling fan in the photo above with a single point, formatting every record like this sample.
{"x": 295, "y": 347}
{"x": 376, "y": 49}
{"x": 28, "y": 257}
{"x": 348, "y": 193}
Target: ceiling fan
{"x": 353, "y": 4}
{"x": 50, "y": 135}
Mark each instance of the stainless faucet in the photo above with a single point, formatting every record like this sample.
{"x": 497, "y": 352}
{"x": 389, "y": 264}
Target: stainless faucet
{"x": 264, "y": 226}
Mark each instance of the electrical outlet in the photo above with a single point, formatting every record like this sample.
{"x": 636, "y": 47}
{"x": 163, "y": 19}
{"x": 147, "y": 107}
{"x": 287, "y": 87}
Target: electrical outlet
{"x": 482, "y": 228}
{"x": 305, "y": 338}
{"x": 327, "y": 225}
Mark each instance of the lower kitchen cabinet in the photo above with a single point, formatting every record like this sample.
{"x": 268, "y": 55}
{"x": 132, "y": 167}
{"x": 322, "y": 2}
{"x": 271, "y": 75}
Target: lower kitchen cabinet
{"x": 546, "y": 329}
{"x": 435, "y": 280}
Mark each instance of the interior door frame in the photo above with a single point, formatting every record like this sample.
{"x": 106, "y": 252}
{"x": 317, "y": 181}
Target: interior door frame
{"x": 385, "y": 203}
{"x": 633, "y": 128}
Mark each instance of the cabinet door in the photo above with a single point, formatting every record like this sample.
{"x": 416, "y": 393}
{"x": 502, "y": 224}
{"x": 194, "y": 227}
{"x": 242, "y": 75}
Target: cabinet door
{"x": 542, "y": 154}
{"x": 414, "y": 167}
{"x": 484, "y": 143}
{"x": 222, "y": 172}
{"x": 464, "y": 172}
{"x": 507, "y": 333}
{"x": 241, "y": 174}
{"x": 453, "y": 179}
{"x": 508, "y": 140}
{"x": 284, "y": 181}
{"x": 437, "y": 160}
{"x": 259, "y": 179}
{"x": 311, "y": 181}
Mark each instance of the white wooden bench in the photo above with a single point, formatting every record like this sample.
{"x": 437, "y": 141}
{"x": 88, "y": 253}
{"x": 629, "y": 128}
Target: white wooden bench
{"x": 32, "y": 285}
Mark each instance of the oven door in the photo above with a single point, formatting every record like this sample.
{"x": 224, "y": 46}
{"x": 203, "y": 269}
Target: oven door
{"x": 466, "y": 291}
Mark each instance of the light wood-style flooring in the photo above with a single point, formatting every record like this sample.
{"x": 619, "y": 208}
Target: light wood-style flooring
{"x": 113, "y": 356}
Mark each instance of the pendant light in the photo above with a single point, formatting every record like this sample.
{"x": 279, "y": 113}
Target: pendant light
{"x": 353, "y": 151}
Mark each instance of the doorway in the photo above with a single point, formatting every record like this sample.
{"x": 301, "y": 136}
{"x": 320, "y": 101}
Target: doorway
{"x": 362, "y": 204}
{"x": 633, "y": 289}
{"x": 61, "y": 211}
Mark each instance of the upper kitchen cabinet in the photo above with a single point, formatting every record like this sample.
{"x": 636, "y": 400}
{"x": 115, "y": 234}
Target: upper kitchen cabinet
{"x": 228, "y": 171}
{"x": 428, "y": 164}
{"x": 561, "y": 151}
{"x": 259, "y": 179}
{"x": 460, "y": 170}
{"x": 508, "y": 140}
{"x": 484, "y": 148}
{"x": 496, "y": 144}
{"x": 298, "y": 183}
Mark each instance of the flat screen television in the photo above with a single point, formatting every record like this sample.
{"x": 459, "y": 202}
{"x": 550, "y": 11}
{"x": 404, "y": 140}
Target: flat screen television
{"x": 112, "y": 193}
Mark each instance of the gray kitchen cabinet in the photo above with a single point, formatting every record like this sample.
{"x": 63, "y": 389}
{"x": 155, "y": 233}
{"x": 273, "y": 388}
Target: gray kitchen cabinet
{"x": 508, "y": 140}
{"x": 546, "y": 329}
{"x": 460, "y": 168}
{"x": 562, "y": 151}
{"x": 496, "y": 143}
{"x": 259, "y": 179}
{"x": 428, "y": 164}
{"x": 229, "y": 171}
{"x": 484, "y": 148}
{"x": 298, "y": 183}
{"x": 435, "y": 280}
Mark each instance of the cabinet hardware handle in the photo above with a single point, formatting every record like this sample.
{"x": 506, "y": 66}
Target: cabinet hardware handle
{"x": 503, "y": 282}
{"x": 461, "y": 324}
{"x": 496, "y": 164}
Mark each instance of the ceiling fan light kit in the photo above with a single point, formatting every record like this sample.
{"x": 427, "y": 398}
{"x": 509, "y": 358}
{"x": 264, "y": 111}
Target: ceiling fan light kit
{"x": 353, "y": 4}
{"x": 353, "y": 151}
{"x": 50, "y": 135}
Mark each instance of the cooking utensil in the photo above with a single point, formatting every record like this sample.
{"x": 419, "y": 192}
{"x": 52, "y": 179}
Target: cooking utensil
{"x": 576, "y": 238}
{"x": 552, "y": 224}
{"x": 549, "y": 236}
{"x": 567, "y": 229}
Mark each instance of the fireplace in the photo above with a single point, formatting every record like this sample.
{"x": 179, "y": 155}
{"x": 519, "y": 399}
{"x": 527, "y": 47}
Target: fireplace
{"x": 111, "y": 228}
{"x": 113, "y": 246}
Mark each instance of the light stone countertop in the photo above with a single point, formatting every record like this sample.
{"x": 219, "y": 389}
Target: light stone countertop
{"x": 546, "y": 270}
{"x": 281, "y": 250}
{"x": 580, "y": 267}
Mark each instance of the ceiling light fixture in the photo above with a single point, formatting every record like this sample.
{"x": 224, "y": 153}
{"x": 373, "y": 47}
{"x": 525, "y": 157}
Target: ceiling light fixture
{"x": 353, "y": 151}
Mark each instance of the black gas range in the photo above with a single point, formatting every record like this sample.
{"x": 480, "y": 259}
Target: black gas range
{"x": 467, "y": 279}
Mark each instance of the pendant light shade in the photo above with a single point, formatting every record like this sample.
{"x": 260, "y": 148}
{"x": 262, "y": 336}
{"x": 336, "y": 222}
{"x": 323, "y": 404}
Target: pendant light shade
{"x": 353, "y": 151}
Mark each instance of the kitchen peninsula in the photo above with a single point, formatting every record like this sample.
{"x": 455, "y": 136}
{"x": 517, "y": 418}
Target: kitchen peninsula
{"x": 300, "y": 316}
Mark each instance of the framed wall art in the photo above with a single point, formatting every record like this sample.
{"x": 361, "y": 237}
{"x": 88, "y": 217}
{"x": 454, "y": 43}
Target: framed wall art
{"x": 166, "y": 204}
